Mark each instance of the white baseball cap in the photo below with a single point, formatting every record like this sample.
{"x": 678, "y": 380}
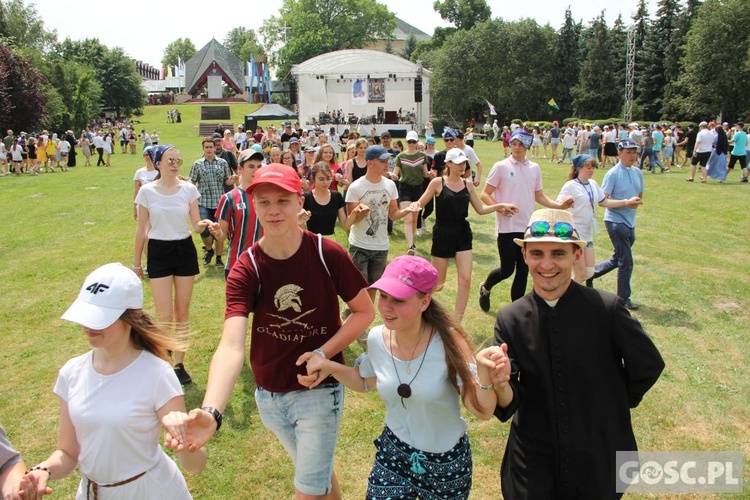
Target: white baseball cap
{"x": 412, "y": 136}
{"x": 105, "y": 295}
{"x": 455, "y": 155}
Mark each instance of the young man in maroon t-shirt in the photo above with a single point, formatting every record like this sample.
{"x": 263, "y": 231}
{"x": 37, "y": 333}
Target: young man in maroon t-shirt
{"x": 290, "y": 280}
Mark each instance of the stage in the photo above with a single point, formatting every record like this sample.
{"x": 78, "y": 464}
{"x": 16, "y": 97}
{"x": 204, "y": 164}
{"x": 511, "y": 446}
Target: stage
{"x": 396, "y": 130}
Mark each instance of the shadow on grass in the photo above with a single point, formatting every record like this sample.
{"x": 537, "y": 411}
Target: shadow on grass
{"x": 240, "y": 415}
{"x": 667, "y": 317}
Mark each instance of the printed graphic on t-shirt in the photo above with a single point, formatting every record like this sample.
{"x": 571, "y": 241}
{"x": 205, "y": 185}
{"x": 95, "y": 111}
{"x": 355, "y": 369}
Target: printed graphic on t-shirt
{"x": 295, "y": 328}
{"x": 378, "y": 202}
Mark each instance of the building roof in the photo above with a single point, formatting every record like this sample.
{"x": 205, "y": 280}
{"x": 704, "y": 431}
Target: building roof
{"x": 404, "y": 29}
{"x": 358, "y": 62}
{"x": 228, "y": 64}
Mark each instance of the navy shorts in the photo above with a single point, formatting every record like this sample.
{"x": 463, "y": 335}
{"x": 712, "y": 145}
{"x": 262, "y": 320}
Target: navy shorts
{"x": 172, "y": 258}
{"x": 451, "y": 238}
{"x": 402, "y": 471}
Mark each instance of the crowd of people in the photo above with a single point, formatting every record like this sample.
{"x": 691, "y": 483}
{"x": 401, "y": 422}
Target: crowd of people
{"x": 275, "y": 198}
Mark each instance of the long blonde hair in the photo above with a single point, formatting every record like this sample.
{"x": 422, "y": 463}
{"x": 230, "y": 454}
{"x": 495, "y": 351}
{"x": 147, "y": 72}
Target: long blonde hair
{"x": 147, "y": 334}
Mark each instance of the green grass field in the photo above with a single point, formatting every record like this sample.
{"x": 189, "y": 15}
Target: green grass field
{"x": 691, "y": 280}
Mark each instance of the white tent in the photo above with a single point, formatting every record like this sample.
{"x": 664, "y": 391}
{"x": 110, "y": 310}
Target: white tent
{"x": 359, "y": 82}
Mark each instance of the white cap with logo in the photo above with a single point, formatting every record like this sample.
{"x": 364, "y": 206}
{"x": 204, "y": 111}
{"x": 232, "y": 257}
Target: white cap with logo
{"x": 412, "y": 136}
{"x": 105, "y": 295}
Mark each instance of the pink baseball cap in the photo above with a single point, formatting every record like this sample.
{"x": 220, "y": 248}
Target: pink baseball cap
{"x": 407, "y": 275}
{"x": 277, "y": 175}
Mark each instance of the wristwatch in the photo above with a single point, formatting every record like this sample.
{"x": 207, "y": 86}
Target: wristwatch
{"x": 215, "y": 413}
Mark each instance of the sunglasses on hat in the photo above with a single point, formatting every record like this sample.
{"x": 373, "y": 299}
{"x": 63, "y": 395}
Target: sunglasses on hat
{"x": 541, "y": 228}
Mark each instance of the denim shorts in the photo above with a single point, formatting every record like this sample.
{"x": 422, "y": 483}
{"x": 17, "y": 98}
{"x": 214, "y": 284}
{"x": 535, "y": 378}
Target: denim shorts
{"x": 206, "y": 213}
{"x": 307, "y": 424}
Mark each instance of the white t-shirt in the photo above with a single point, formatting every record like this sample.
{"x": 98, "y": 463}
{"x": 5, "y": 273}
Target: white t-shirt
{"x": 63, "y": 146}
{"x": 371, "y": 233}
{"x": 168, "y": 214}
{"x": 16, "y": 153}
{"x": 117, "y": 426}
{"x": 471, "y": 155}
{"x": 108, "y": 144}
{"x": 587, "y": 197}
{"x": 704, "y": 141}
{"x": 569, "y": 141}
{"x": 432, "y": 419}
{"x": 144, "y": 175}
{"x": 98, "y": 141}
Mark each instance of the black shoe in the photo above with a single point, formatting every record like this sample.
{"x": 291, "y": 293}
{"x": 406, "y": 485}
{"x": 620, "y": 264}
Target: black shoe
{"x": 630, "y": 305}
{"x": 207, "y": 258}
{"x": 219, "y": 263}
{"x": 182, "y": 374}
{"x": 744, "y": 179}
{"x": 484, "y": 299}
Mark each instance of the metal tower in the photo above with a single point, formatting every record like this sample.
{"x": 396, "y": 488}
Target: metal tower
{"x": 627, "y": 113}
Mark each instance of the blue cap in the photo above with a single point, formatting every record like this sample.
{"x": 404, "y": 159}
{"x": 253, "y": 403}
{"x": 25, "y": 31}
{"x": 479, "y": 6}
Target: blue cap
{"x": 626, "y": 144}
{"x": 523, "y": 136}
{"x": 377, "y": 153}
{"x": 430, "y": 140}
{"x": 449, "y": 133}
{"x": 257, "y": 147}
{"x": 579, "y": 160}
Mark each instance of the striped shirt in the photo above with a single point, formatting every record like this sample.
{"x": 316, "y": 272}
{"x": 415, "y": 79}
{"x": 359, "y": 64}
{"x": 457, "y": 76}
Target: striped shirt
{"x": 210, "y": 176}
{"x": 236, "y": 207}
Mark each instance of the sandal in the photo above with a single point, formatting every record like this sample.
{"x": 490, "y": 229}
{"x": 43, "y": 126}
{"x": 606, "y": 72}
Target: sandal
{"x": 690, "y": 179}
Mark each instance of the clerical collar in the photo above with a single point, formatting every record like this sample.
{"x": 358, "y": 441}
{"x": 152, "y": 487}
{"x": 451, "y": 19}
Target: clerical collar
{"x": 552, "y": 303}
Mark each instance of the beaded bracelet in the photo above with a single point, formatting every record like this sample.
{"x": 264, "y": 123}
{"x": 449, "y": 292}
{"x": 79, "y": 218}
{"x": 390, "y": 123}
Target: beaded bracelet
{"x": 39, "y": 467}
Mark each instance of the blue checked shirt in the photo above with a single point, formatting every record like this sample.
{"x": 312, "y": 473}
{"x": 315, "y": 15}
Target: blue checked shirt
{"x": 210, "y": 177}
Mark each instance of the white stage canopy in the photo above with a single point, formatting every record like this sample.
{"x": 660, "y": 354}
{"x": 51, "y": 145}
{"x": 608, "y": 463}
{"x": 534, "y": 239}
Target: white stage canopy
{"x": 359, "y": 82}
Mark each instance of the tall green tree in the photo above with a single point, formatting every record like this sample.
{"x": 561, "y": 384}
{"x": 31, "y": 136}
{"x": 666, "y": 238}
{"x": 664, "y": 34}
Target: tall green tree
{"x": 182, "y": 48}
{"x": 597, "y": 94}
{"x": 715, "y": 69}
{"x": 660, "y": 64}
{"x": 642, "y": 24}
{"x": 75, "y": 86}
{"x": 307, "y": 28}
{"x": 23, "y": 28}
{"x": 243, "y": 43}
{"x": 23, "y": 98}
{"x": 427, "y": 50}
{"x": 463, "y": 14}
{"x": 410, "y": 47}
{"x": 120, "y": 83}
{"x": 567, "y": 63}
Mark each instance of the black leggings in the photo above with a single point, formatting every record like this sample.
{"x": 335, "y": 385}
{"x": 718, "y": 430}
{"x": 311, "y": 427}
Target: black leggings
{"x": 100, "y": 152}
{"x": 511, "y": 258}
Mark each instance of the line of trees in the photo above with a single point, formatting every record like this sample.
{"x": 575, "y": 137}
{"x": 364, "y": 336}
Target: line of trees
{"x": 45, "y": 83}
{"x": 692, "y": 61}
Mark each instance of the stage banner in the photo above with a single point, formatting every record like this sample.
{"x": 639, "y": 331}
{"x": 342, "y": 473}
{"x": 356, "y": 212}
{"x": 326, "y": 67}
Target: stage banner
{"x": 359, "y": 95}
{"x": 376, "y": 90}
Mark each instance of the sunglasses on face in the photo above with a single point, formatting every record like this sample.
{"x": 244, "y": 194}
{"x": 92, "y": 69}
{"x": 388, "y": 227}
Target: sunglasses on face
{"x": 411, "y": 142}
{"x": 175, "y": 161}
{"x": 447, "y": 140}
{"x": 541, "y": 228}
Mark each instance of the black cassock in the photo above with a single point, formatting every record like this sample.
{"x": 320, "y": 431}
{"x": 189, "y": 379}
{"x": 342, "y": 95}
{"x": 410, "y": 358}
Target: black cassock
{"x": 577, "y": 369}
{"x": 72, "y": 154}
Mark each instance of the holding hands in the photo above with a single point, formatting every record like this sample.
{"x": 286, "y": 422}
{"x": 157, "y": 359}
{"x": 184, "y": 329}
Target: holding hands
{"x": 318, "y": 369}
{"x": 507, "y": 209}
{"x": 493, "y": 363}
{"x": 633, "y": 202}
{"x": 33, "y": 486}
{"x": 188, "y": 431}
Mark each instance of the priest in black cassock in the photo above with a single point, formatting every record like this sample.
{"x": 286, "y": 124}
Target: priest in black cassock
{"x": 568, "y": 364}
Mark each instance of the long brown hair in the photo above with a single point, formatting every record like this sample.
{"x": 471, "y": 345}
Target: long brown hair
{"x": 147, "y": 334}
{"x": 455, "y": 357}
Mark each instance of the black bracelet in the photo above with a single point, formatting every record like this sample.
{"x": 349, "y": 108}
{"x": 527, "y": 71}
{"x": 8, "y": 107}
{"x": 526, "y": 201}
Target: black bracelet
{"x": 39, "y": 467}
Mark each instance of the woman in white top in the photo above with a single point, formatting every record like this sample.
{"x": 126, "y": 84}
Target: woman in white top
{"x": 420, "y": 362}
{"x": 114, "y": 400}
{"x": 587, "y": 194}
{"x": 167, "y": 211}
{"x": 108, "y": 148}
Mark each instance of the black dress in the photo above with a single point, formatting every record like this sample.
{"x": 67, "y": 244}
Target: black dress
{"x": 577, "y": 369}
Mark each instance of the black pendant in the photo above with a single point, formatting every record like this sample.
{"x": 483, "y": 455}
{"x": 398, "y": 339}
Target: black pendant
{"x": 404, "y": 390}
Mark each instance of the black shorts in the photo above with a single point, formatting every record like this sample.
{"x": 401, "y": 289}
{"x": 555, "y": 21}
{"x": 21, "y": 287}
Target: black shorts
{"x": 701, "y": 158}
{"x": 735, "y": 158}
{"x": 610, "y": 149}
{"x": 449, "y": 239}
{"x": 172, "y": 258}
{"x": 407, "y": 192}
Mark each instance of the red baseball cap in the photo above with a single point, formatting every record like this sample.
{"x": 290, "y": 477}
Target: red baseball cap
{"x": 278, "y": 175}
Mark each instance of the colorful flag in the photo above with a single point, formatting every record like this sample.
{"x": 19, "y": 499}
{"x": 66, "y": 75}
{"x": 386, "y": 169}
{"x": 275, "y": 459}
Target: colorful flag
{"x": 552, "y": 103}
{"x": 492, "y": 108}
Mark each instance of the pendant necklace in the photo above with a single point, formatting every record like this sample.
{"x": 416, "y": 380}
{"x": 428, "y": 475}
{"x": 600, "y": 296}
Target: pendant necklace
{"x": 408, "y": 363}
{"x": 404, "y": 389}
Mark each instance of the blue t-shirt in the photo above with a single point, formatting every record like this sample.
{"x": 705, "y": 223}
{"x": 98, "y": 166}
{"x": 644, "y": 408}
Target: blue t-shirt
{"x": 658, "y": 139}
{"x": 594, "y": 140}
{"x": 621, "y": 183}
{"x": 740, "y": 143}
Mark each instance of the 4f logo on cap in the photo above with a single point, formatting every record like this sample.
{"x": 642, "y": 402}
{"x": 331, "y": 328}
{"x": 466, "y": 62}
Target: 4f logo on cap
{"x": 97, "y": 287}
